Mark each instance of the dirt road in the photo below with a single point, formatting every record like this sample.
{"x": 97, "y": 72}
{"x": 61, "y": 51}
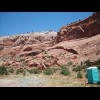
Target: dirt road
{"x": 40, "y": 80}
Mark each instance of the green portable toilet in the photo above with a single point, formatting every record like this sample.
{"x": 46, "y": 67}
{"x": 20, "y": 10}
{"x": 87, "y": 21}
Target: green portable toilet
{"x": 93, "y": 75}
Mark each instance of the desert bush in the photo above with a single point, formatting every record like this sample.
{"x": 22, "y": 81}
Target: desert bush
{"x": 11, "y": 70}
{"x": 18, "y": 71}
{"x": 83, "y": 66}
{"x": 54, "y": 70}
{"x": 3, "y": 70}
{"x": 79, "y": 20}
{"x": 69, "y": 63}
{"x": 88, "y": 63}
{"x": 65, "y": 71}
{"x": 98, "y": 67}
{"x": 37, "y": 71}
{"x": 48, "y": 71}
{"x": 79, "y": 75}
{"x": 31, "y": 71}
{"x": 65, "y": 65}
{"x": 78, "y": 68}
{"x": 97, "y": 62}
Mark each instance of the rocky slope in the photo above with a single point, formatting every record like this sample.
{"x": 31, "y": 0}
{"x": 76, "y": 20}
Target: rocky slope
{"x": 14, "y": 48}
{"x": 76, "y": 42}
{"x": 25, "y": 42}
{"x": 80, "y": 29}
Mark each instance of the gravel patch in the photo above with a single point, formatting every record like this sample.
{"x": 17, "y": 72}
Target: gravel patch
{"x": 23, "y": 82}
{"x": 27, "y": 82}
{"x": 9, "y": 83}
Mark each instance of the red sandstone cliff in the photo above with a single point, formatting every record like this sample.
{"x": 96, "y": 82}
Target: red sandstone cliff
{"x": 85, "y": 28}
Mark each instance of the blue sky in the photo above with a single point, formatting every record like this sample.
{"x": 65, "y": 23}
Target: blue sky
{"x": 22, "y": 22}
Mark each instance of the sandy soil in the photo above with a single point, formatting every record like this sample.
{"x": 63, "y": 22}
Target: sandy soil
{"x": 40, "y": 80}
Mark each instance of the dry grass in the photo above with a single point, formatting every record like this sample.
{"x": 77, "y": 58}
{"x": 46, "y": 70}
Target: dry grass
{"x": 55, "y": 80}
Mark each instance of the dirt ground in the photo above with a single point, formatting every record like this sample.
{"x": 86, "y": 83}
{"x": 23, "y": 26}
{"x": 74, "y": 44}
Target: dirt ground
{"x": 41, "y": 80}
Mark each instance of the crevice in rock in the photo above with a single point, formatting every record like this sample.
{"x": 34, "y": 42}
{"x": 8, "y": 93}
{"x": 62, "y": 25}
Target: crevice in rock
{"x": 72, "y": 51}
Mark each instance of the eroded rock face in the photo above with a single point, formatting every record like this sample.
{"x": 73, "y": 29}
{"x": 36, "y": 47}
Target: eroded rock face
{"x": 9, "y": 43}
{"x": 86, "y": 28}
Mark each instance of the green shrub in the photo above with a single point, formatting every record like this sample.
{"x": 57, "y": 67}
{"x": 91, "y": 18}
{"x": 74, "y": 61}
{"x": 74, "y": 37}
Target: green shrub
{"x": 48, "y": 71}
{"x": 88, "y": 63}
{"x": 69, "y": 63}
{"x": 3, "y": 70}
{"x": 21, "y": 70}
{"x": 83, "y": 66}
{"x": 18, "y": 71}
{"x": 37, "y": 71}
{"x": 79, "y": 75}
{"x": 98, "y": 67}
{"x": 97, "y": 62}
{"x": 31, "y": 71}
{"x": 65, "y": 71}
{"x": 78, "y": 68}
{"x": 11, "y": 70}
{"x": 65, "y": 65}
{"x": 54, "y": 70}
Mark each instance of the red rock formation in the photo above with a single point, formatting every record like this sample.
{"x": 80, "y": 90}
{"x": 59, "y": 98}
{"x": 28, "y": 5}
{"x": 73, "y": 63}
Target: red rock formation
{"x": 85, "y": 28}
{"x": 20, "y": 43}
{"x": 39, "y": 50}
